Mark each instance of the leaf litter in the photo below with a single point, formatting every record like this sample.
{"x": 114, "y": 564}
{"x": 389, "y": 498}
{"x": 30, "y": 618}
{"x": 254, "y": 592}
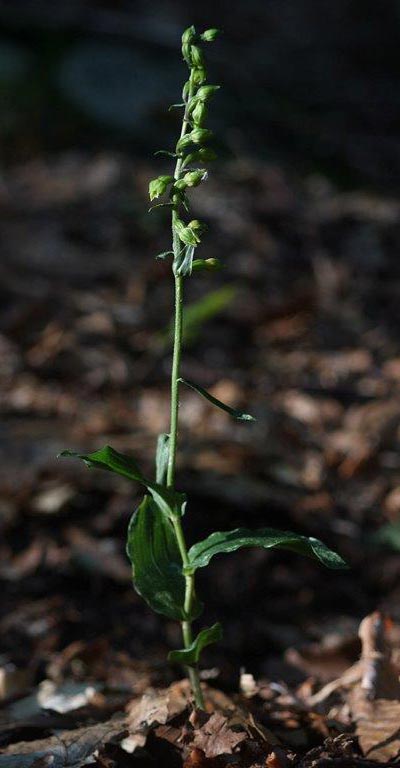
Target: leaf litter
{"x": 321, "y": 347}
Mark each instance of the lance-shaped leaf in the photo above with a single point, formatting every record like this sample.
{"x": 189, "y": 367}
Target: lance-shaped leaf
{"x": 162, "y": 456}
{"x": 170, "y": 502}
{"x": 238, "y": 415}
{"x": 267, "y": 538}
{"x": 157, "y": 565}
{"x": 191, "y": 656}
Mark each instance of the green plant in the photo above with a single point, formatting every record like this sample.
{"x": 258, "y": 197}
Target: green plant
{"x": 164, "y": 569}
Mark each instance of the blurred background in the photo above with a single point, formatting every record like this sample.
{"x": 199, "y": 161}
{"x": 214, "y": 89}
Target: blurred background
{"x": 301, "y": 328}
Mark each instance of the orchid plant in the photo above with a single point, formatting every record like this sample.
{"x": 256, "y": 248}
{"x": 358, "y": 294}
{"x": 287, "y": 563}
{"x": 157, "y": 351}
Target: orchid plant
{"x": 164, "y": 567}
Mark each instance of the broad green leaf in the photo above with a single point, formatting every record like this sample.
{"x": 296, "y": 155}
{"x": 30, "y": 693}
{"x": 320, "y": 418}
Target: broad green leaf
{"x": 162, "y": 456}
{"x": 156, "y": 562}
{"x": 170, "y": 502}
{"x": 191, "y": 656}
{"x": 238, "y": 415}
{"x": 268, "y": 538}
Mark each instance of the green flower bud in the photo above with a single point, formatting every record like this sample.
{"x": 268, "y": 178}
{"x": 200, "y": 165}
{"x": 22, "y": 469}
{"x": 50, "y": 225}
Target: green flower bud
{"x": 186, "y": 90}
{"x": 205, "y": 154}
{"x": 189, "y": 35}
{"x": 200, "y": 135}
{"x": 209, "y": 35}
{"x": 196, "y": 55}
{"x": 183, "y": 143}
{"x": 199, "y": 75}
{"x": 206, "y": 92}
{"x": 194, "y": 178}
{"x": 201, "y": 155}
{"x": 199, "y": 114}
{"x": 186, "y": 53}
{"x": 180, "y": 184}
{"x": 197, "y": 226}
{"x": 158, "y": 186}
{"x": 186, "y": 234}
{"x": 206, "y": 265}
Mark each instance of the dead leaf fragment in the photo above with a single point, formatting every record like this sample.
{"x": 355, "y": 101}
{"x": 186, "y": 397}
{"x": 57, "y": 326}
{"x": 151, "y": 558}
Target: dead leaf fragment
{"x": 215, "y": 737}
{"x": 375, "y": 701}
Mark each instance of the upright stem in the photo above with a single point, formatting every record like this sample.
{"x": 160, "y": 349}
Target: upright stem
{"x": 190, "y": 587}
{"x": 176, "y": 363}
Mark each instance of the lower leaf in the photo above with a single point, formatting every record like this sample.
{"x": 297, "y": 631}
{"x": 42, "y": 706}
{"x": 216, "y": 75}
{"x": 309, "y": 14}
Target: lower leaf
{"x": 268, "y": 538}
{"x": 191, "y": 656}
{"x": 156, "y": 562}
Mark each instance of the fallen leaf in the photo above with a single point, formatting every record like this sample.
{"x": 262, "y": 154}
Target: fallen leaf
{"x": 66, "y": 750}
{"x": 215, "y": 737}
{"x": 375, "y": 701}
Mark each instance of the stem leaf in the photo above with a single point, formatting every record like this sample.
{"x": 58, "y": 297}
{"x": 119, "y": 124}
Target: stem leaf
{"x": 191, "y": 656}
{"x": 170, "y": 502}
{"x": 156, "y": 562}
{"x": 238, "y": 415}
{"x": 267, "y": 538}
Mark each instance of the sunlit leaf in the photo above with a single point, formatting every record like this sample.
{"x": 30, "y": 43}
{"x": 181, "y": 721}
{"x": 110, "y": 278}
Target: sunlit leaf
{"x": 238, "y": 415}
{"x": 267, "y": 538}
{"x": 191, "y": 656}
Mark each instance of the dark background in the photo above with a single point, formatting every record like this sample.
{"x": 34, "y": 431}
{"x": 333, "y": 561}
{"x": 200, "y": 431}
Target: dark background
{"x": 301, "y": 328}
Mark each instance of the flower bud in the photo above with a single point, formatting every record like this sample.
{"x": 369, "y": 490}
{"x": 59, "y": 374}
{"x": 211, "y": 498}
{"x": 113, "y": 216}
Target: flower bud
{"x": 209, "y": 35}
{"x": 206, "y": 265}
{"x": 186, "y": 234}
{"x": 180, "y": 184}
{"x": 200, "y": 135}
{"x": 194, "y": 178}
{"x": 199, "y": 114}
{"x": 189, "y": 35}
{"x": 206, "y": 92}
{"x": 199, "y": 75}
{"x": 201, "y": 155}
{"x": 205, "y": 154}
{"x": 183, "y": 142}
{"x": 158, "y": 186}
{"x": 196, "y": 55}
{"x": 186, "y": 53}
{"x": 197, "y": 226}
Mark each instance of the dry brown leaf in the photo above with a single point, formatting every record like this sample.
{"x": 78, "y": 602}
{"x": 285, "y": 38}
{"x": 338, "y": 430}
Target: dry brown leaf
{"x": 154, "y": 708}
{"x": 69, "y": 748}
{"x": 375, "y": 701}
{"x": 377, "y": 725}
{"x": 215, "y": 737}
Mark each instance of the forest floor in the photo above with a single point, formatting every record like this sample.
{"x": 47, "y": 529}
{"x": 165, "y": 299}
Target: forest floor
{"x": 301, "y": 329}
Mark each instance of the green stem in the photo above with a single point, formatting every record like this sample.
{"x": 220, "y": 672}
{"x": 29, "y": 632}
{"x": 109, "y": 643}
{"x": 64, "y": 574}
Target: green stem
{"x": 192, "y": 672}
{"x": 176, "y": 362}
